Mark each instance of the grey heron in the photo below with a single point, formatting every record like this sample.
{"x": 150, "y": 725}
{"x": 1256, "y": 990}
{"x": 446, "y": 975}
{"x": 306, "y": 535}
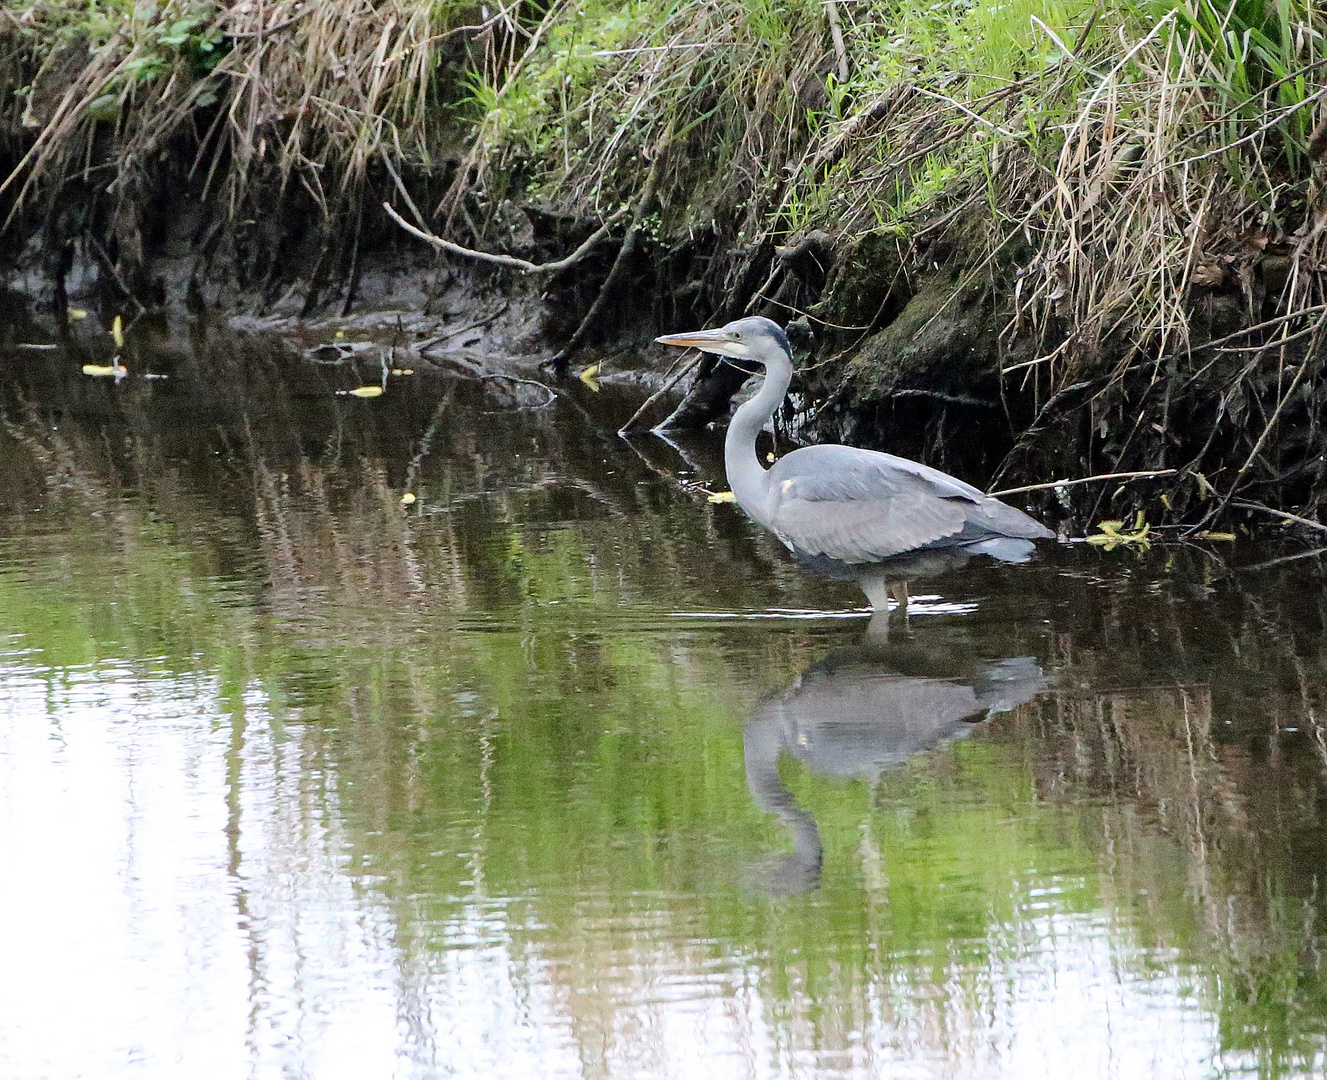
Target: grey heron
{"x": 854, "y": 513}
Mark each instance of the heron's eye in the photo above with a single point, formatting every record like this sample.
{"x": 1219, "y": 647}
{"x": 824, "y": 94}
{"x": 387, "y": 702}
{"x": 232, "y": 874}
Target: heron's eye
{"x": 737, "y": 336}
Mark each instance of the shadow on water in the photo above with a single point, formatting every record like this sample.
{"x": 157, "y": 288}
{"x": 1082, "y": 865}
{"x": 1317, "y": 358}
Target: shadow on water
{"x": 489, "y": 752}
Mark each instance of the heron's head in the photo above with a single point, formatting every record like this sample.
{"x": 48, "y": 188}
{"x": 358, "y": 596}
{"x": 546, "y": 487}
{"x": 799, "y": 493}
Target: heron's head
{"x": 755, "y": 338}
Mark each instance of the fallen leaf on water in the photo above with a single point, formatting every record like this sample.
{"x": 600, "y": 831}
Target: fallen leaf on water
{"x": 403, "y": 371}
{"x": 365, "y": 391}
{"x": 117, "y": 332}
{"x": 723, "y": 497}
{"x": 407, "y": 498}
{"x": 1115, "y": 533}
{"x": 76, "y": 313}
{"x": 104, "y": 371}
{"x": 588, "y": 377}
{"x": 340, "y": 333}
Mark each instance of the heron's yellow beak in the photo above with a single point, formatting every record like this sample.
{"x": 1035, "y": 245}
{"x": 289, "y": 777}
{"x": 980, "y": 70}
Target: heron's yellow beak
{"x": 713, "y": 341}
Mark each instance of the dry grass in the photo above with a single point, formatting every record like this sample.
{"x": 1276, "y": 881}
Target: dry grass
{"x": 288, "y": 90}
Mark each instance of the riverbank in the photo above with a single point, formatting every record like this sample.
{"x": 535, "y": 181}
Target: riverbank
{"x": 1025, "y": 243}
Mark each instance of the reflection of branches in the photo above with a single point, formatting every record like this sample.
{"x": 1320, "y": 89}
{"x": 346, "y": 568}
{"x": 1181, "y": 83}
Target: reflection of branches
{"x": 552, "y": 394}
{"x": 425, "y": 443}
{"x": 328, "y": 532}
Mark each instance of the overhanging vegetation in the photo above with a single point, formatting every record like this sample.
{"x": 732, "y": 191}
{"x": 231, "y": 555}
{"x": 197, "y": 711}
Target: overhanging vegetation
{"x": 1128, "y": 188}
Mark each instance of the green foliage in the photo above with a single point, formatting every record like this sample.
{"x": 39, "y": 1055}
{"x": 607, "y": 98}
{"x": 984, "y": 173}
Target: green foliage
{"x": 1258, "y": 55}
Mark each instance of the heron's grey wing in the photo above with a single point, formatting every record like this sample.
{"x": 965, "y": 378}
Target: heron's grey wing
{"x": 861, "y": 506}
{"x": 860, "y": 514}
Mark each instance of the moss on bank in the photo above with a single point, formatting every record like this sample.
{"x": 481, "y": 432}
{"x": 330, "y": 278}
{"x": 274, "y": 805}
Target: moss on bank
{"x": 1121, "y": 197}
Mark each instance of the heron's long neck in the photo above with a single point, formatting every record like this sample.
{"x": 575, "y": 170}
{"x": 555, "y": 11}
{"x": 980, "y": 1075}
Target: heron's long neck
{"x": 746, "y": 475}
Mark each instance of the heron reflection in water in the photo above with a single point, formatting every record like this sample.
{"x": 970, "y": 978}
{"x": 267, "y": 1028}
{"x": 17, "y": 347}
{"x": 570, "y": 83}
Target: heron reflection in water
{"x": 858, "y": 712}
{"x": 874, "y": 517}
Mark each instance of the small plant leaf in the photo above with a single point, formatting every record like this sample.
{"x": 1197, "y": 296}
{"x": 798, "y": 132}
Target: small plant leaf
{"x": 723, "y": 497}
{"x": 1114, "y": 533}
{"x": 366, "y": 391}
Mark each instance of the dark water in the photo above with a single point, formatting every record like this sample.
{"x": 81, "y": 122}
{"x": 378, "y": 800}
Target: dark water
{"x": 563, "y": 771}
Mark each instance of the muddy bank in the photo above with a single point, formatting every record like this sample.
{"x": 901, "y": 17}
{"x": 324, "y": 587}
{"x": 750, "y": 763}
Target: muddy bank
{"x": 901, "y": 353}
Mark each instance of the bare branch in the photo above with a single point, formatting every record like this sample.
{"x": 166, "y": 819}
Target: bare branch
{"x": 524, "y": 265}
{"x": 625, "y": 429}
{"x": 1147, "y": 474}
{"x": 1283, "y": 515}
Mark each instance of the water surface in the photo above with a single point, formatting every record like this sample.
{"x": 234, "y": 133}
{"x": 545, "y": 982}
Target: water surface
{"x": 564, "y": 771}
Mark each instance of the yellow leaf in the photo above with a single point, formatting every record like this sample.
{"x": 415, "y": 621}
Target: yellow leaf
{"x": 340, "y": 333}
{"x": 770, "y": 457}
{"x": 76, "y": 313}
{"x": 366, "y": 391}
{"x": 588, "y": 377}
{"x": 403, "y": 371}
{"x": 1206, "y": 535}
{"x": 723, "y": 497}
{"x": 106, "y": 371}
{"x": 407, "y": 498}
{"x": 117, "y": 332}
{"x": 1113, "y": 534}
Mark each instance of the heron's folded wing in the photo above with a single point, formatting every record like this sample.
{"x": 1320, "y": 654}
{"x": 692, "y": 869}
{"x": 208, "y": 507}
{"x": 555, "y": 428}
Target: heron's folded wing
{"x": 861, "y": 515}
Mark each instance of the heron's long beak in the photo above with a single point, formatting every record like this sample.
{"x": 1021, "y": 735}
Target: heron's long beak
{"x": 713, "y": 341}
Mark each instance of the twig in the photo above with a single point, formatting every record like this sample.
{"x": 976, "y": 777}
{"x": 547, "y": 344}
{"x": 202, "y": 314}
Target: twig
{"x": 524, "y": 265}
{"x": 1271, "y": 423}
{"x": 1284, "y": 515}
{"x": 552, "y": 394}
{"x": 1283, "y": 559}
{"x": 1143, "y": 475}
{"x": 949, "y": 399}
{"x": 625, "y": 429}
{"x": 1260, "y": 326}
{"x": 104, "y": 259}
{"x": 265, "y": 31}
{"x": 650, "y": 48}
{"x": 836, "y": 35}
{"x": 452, "y": 332}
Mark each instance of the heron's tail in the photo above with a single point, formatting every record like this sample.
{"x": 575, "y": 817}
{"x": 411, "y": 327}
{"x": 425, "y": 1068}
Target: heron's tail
{"x": 1005, "y": 548}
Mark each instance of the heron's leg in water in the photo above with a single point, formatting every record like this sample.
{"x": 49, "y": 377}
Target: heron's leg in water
{"x": 879, "y": 591}
{"x": 878, "y": 627}
{"x": 877, "y": 586}
{"x": 899, "y": 591}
